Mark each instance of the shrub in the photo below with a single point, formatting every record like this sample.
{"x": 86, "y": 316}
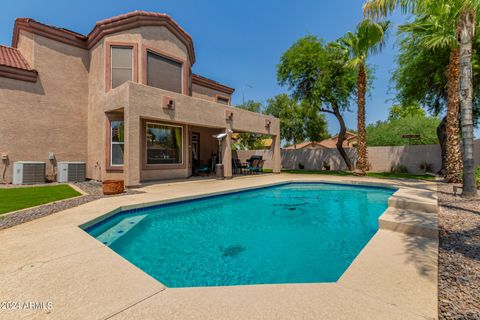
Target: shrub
{"x": 399, "y": 168}
{"x": 426, "y": 167}
{"x": 326, "y": 165}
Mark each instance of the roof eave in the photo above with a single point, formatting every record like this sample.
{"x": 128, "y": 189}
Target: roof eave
{"x": 18, "y": 74}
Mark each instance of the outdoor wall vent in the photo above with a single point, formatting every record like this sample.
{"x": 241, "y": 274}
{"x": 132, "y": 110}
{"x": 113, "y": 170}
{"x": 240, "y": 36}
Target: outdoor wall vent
{"x": 228, "y": 115}
{"x": 71, "y": 171}
{"x": 168, "y": 103}
{"x": 28, "y": 172}
{"x": 267, "y": 123}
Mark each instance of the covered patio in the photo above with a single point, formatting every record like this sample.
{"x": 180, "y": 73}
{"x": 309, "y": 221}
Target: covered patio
{"x": 171, "y": 136}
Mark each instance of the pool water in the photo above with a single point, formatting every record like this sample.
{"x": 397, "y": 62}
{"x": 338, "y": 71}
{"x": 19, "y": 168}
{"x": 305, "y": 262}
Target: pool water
{"x": 291, "y": 233}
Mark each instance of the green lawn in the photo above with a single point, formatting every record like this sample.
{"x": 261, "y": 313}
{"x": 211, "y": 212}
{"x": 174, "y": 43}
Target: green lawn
{"x": 12, "y": 199}
{"x": 384, "y": 175}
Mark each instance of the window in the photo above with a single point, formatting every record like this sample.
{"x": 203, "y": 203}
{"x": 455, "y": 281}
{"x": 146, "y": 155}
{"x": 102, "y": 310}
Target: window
{"x": 223, "y": 100}
{"x": 164, "y": 73}
{"x": 121, "y": 64}
{"x": 117, "y": 141}
{"x": 164, "y": 144}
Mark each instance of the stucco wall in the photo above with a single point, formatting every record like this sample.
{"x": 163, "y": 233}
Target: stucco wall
{"x": 382, "y": 159}
{"x": 67, "y": 110}
{"x": 207, "y": 93}
{"x": 51, "y": 114}
{"x": 156, "y": 37}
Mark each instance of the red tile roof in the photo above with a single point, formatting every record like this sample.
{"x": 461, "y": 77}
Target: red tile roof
{"x": 105, "y": 27}
{"x": 11, "y": 57}
{"x": 141, "y": 13}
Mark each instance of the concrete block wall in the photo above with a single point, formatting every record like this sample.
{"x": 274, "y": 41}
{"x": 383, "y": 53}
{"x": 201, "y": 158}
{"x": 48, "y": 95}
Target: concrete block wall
{"x": 381, "y": 159}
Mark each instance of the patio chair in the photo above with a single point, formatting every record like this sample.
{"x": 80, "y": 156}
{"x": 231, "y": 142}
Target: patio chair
{"x": 238, "y": 166}
{"x": 207, "y": 169}
{"x": 255, "y": 167}
{"x": 202, "y": 170}
{"x": 252, "y": 158}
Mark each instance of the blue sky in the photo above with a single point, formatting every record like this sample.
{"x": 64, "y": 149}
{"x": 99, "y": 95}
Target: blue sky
{"x": 237, "y": 42}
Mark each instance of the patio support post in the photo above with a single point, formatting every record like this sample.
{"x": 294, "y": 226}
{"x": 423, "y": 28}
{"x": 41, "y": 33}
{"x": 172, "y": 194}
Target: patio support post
{"x": 277, "y": 161}
{"x": 227, "y": 155}
{"x": 131, "y": 165}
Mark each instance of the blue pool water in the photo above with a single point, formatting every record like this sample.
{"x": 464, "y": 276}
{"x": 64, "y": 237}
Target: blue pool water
{"x": 292, "y": 233}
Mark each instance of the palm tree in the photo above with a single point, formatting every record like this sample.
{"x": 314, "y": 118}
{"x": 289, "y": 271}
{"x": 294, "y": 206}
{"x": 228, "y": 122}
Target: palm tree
{"x": 466, "y": 21}
{"x": 436, "y": 30}
{"x": 369, "y": 37}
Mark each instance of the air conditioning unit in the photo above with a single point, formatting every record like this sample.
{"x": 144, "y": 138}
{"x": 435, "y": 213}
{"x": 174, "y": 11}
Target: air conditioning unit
{"x": 28, "y": 172}
{"x": 71, "y": 171}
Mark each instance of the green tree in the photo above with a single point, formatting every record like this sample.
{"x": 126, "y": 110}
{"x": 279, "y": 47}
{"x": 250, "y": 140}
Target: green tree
{"x": 435, "y": 29}
{"x": 466, "y": 14}
{"x": 420, "y": 78}
{"x": 298, "y": 122}
{"x": 401, "y": 111}
{"x": 368, "y": 38}
{"x": 317, "y": 74}
{"x": 250, "y": 141}
{"x": 390, "y": 132}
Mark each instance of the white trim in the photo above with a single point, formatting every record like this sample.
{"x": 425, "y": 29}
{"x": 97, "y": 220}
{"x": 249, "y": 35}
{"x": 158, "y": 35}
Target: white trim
{"x": 146, "y": 144}
{"x": 116, "y": 142}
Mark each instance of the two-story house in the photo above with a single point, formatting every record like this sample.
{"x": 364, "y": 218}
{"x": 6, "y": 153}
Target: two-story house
{"x": 123, "y": 99}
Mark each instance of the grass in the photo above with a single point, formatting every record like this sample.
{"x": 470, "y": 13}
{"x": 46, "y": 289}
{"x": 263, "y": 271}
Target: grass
{"x": 12, "y": 199}
{"x": 381, "y": 175}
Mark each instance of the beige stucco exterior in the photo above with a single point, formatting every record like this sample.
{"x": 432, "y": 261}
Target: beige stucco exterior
{"x": 49, "y": 115}
{"x": 68, "y": 109}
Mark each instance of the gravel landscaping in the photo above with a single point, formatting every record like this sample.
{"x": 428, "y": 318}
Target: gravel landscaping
{"x": 459, "y": 256}
{"x": 92, "y": 188}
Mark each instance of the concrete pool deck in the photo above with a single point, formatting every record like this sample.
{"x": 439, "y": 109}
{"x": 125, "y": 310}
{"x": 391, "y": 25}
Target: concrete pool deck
{"x": 52, "y": 260}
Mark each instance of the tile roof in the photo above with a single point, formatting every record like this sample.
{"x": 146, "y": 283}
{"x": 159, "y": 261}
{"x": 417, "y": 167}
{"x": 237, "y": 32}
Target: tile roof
{"x": 105, "y": 27}
{"x": 137, "y": 13}
{"x": 203, "y": 81}
{"x": 11, "y": 57}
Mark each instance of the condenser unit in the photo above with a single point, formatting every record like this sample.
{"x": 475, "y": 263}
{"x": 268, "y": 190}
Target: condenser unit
{"x": 71, "y": 171}
{"x": 28, "y": 172}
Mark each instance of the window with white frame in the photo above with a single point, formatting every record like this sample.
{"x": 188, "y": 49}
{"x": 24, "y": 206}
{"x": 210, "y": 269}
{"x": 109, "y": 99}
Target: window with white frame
{"x": 117, "y": 142}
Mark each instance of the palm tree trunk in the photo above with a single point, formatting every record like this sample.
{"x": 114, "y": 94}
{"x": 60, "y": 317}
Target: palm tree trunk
{"x": 362, "y": 162}
{"x": 442, "y": 139}
{"x": 466, "y": 33}
{"x": 453, "y": 151}
{"x": 341, "y": 139}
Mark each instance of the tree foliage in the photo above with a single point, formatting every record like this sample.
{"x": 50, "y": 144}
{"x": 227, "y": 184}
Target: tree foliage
{"x": 369, "y": 37}
{"x": 390, "y": 132}
{"x": 298, "y": 122}
{"x": 317, "y": 74}
{"x": 250, "y": 141}
{"x": 399, "y": 112}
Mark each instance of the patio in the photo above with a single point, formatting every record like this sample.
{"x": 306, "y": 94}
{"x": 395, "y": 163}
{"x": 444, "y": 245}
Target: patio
{"x": 52, "y": 260}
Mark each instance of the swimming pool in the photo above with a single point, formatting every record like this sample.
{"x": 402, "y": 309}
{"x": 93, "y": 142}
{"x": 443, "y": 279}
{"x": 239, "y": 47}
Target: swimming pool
{"x": 289, "y": 233}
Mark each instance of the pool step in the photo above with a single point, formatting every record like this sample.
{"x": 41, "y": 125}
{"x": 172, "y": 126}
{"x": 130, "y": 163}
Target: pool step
{"x": 422, "y": 201}
{"x": 120, "y": 229}
{"x": 412, "y": 222}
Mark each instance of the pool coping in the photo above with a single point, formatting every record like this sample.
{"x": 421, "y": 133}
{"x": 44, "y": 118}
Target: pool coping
{"x": 147, "y": 299}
